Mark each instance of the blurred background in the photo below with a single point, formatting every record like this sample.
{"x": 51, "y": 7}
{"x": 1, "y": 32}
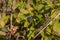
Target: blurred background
{"x": 23, "y": 19}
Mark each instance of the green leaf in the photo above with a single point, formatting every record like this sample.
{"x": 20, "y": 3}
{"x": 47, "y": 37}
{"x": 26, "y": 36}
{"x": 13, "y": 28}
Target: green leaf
{"x": 48, "y": 29}
{"x": 31, "y": 28}
{"x": 49, "y": 2}
{"x": 30, "y": 34}
{"x": 39, "y": 6}
{"x": 26, "y": 24}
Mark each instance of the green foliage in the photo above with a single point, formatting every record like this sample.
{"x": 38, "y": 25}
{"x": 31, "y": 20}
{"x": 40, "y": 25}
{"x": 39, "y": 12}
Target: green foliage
{"x": 40, "y": 11}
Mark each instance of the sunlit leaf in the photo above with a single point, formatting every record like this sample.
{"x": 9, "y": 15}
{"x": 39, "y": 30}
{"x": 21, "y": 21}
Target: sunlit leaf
{"x": 26, "y": 24}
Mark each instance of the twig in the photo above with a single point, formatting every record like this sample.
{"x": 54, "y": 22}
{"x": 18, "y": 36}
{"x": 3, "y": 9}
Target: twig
{"x": 46, "y": 25}
{"x": 11, "y": 15}
{"x": 11, "y": 20}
